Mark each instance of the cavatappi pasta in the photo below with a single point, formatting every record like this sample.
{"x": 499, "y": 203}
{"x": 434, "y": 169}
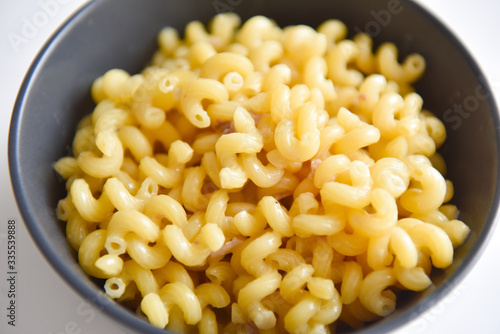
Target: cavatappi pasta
{"x": 255, "y": 178}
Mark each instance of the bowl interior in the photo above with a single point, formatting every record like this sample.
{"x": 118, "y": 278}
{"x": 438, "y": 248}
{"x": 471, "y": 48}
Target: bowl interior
{"x": 122, "y": 34}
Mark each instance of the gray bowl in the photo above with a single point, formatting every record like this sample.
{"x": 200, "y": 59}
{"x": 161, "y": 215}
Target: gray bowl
{"x": 122, "y": 33}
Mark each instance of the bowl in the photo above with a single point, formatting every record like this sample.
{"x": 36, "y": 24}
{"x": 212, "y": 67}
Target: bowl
{"x": 107, "y": 34}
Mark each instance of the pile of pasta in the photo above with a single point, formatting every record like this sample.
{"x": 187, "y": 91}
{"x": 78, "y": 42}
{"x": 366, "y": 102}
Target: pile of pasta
{"x": 255, "y": 178}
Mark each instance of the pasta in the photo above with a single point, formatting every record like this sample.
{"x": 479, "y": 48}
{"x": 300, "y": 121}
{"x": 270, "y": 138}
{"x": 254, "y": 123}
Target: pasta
{"x": 254, "y": 178}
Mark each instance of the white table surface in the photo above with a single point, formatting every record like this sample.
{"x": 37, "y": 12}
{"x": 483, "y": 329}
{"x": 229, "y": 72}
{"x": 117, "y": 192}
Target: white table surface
{"x": 46, "y": 304}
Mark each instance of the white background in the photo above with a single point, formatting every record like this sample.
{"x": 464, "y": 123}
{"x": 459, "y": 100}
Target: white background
{"x": 47, "y": 305}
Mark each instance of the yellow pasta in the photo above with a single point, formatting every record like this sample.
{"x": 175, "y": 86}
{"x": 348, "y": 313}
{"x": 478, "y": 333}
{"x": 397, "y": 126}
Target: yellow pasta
{"x": 257, "y": 178}
{"x": 408, "y": 72}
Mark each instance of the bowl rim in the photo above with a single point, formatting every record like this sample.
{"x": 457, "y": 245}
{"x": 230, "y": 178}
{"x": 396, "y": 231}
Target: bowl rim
{"x": 99, "y": 300}
{"x": 116, "y": 311}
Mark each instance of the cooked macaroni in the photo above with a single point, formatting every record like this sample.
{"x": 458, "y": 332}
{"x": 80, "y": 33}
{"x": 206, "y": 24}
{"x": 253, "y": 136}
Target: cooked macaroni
{"x": 261, "y": 179}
